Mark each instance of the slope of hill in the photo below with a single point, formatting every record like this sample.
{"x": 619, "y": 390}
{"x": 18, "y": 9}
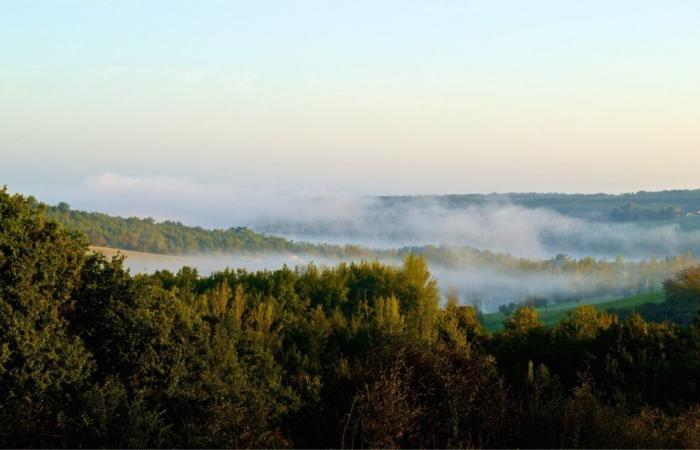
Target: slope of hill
{"x": 642, "y": 205}
{"x": 551, "y": 315}
{"x": 174, "y": 238}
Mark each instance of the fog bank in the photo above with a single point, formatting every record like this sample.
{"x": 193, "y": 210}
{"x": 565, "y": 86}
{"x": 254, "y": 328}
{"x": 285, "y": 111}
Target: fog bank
{"x": 497, "y": 225}
{"x": 486, "y": 287}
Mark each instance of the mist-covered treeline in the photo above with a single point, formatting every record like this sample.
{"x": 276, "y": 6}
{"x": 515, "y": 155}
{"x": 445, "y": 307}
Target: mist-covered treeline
{"x": 358, "y": 355}
{"x": 500, "y": 226}
{"x": 481, "y": 276}
{"x": 656, "y": 204}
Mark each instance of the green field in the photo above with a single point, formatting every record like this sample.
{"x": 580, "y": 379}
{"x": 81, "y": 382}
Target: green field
{"x": 551, "y": 315}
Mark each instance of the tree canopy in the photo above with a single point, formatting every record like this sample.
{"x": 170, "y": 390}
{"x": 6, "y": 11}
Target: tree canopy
{"x": 362, "y": 355}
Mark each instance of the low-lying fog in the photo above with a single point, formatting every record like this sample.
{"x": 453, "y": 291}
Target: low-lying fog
{"x": 498, "y": 226}
{"x": 486, "y": 287}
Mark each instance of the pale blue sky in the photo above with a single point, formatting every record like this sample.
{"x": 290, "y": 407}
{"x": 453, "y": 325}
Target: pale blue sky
{"x": 350, "y": 97}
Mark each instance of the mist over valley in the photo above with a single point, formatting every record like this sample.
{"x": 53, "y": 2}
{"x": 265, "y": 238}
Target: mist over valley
{"x": 490, "y": 250}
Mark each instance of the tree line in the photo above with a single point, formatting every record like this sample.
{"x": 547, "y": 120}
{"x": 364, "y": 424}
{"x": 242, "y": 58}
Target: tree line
{"x": 356, "y": 355}
{"x": 633, "y": 213}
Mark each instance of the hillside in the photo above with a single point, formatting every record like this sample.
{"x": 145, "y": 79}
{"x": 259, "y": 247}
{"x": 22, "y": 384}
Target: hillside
{"x": 175, "y": 238}
{"x": 637, "y": 206}
{"x": 552, "y": 314}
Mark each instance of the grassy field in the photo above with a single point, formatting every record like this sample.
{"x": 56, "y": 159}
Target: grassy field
{"x": 553, "y": 314}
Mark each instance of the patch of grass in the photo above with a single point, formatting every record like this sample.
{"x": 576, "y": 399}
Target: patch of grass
{"x": 551, "y": 315}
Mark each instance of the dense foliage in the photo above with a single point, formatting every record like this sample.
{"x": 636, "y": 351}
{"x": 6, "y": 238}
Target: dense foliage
{"x": 358, "y": 355}
{"x": 682, "y": 300}
{"x": 633, "y": 213}
{"x": 166, "y": 237}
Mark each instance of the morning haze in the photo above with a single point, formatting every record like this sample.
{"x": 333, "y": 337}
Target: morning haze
{"x": 373, "y": 98}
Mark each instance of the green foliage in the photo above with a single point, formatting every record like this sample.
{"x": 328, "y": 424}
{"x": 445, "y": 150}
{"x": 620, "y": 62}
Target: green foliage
{"x": 523, "y": 321}
{"x": 551, "y": 315}
{"x": 167, "y": 237}
{"x": 630, "y": 212}
{"x": 173, "y": 238}
{"x": 682, "y": 294}
{"x": 43, "y": 366}
{"x": 358, "y": 355}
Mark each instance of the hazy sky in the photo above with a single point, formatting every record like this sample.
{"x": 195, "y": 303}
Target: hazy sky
{"x": 350, "y": 97}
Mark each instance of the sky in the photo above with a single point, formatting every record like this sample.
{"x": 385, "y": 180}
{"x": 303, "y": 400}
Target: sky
{"x": 346, "y": 98}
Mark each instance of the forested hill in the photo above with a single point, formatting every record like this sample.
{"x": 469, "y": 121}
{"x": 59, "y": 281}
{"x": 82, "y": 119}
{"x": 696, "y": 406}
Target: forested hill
{"x": 175, "y": 238}
{"x": 642, "y": 205}
{"x": 169, "y": 237}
